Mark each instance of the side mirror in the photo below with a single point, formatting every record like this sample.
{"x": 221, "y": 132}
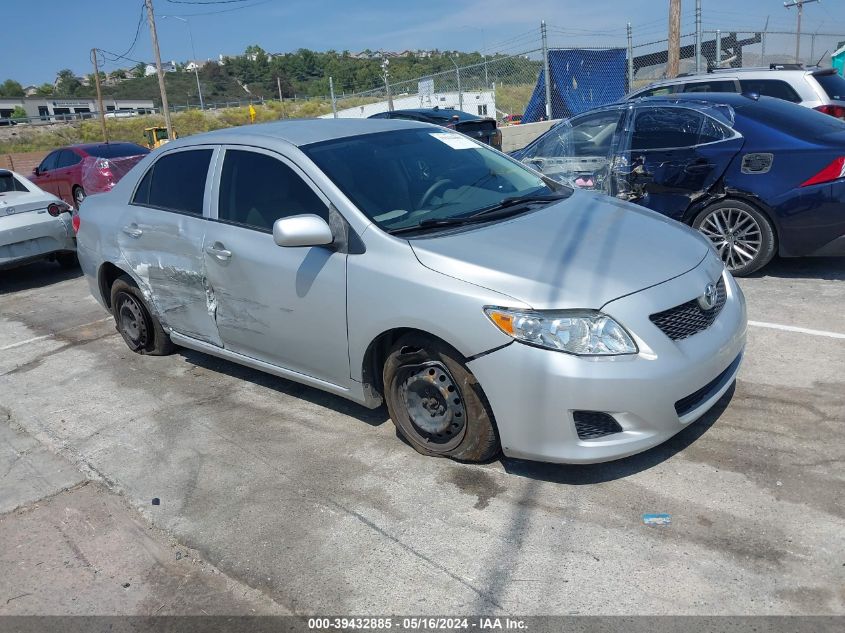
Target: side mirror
{"x": 36, "y": 171}
{"x": 302, "y": 230}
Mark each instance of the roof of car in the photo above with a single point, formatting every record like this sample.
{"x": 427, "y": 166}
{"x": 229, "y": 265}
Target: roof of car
{"x": 86, "y": 147}
{"x": 726, "y": 98}
{"x": 301, "y": 131}
{"x": 441, "y": 113}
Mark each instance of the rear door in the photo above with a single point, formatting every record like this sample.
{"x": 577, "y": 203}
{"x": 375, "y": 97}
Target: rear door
{"x": 284, "y": 306}
{"x": 672, "y": 154}
{"x": 64, "y": 176}
{"x": 46, "y": 170}
{"x": 162, "y": 238}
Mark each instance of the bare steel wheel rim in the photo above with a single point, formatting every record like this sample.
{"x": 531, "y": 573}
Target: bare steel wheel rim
{"x": 434, "y": 405}
{"x": 735, "y": 234}
{"x": 132, "y": 322}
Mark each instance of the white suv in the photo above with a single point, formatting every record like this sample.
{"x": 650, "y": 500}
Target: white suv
{"x": 819, "y": 88}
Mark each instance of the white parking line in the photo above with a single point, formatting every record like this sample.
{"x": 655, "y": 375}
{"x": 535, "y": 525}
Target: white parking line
{"x": 792, "y": 328}
{"x": 46, "y": 336}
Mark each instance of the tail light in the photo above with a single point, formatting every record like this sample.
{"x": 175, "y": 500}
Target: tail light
{"x": 833, "y": 171}
{"x": 832, "y": 110}
{"x": 57, "y": 208}
{"x": 102, "y": 164}
{"x": 75, "y": 222}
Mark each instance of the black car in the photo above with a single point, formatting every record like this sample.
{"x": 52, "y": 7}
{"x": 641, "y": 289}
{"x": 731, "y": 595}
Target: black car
{"x": 479, "y": 128}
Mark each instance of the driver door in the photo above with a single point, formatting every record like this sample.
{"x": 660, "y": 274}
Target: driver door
{"x": 579, "y": 151}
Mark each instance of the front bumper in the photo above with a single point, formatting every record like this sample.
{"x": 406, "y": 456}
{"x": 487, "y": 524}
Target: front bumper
{"x": 533, "y": 392}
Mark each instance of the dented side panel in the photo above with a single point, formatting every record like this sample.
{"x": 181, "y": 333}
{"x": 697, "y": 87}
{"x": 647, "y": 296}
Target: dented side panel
{"x": 167, "y": 261}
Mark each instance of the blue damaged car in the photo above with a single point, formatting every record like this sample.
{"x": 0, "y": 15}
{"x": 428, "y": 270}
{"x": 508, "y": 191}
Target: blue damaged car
{"x": 758, "y": 176}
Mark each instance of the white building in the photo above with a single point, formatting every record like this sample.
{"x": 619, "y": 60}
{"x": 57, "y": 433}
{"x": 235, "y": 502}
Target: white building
{"x": 479, "y": 103}
{"x": 168, "y": 67}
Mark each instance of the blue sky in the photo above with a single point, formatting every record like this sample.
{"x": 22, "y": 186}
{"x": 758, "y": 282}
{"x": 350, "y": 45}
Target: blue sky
{"x": 41, "y": 38}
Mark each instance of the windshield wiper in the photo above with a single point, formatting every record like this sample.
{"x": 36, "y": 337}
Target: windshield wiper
{"x": 520, "y": 200}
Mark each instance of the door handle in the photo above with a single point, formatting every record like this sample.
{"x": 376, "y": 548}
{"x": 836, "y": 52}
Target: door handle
{"x": 217, "y": 250}
{"x": 132, "y": 230}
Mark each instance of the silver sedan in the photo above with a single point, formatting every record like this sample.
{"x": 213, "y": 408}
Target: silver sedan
{"x": 34, "y": 224}
{"x": 489, "y": 307}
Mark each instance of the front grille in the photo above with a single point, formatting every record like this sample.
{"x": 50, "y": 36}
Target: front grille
{"x": 685, "y": 405}
{"x": 689, "y": 318}
{"x": 594, "y": 424}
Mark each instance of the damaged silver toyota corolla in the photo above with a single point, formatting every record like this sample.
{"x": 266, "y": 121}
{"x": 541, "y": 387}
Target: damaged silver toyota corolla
{"x": 490, "y": 307}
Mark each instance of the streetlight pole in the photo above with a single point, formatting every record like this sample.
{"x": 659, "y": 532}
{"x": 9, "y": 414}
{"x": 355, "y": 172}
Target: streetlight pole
{"x": 384, "y": 65}
{"x": 458, "y": 74}
{"x": 193, "y": 53}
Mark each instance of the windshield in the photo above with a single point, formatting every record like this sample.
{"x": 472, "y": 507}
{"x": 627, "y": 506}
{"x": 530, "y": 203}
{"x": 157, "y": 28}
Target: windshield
{"x": 116, "y": 150}
{"x": 403, "y": 178}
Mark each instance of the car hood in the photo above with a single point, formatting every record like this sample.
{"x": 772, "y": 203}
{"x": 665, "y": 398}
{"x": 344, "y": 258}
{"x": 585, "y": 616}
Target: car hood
{"x": 581, "y": 252}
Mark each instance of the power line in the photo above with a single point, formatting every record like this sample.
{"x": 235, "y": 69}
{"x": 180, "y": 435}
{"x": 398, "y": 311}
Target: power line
{"x": 207, "y": 2}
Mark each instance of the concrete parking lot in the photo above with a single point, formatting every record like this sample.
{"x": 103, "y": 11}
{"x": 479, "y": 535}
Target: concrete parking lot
{"x": 291, "y": 500}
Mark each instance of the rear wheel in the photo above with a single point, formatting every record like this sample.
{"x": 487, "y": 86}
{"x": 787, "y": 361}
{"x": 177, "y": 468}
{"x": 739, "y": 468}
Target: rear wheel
{"x": 436, "y": 403}
{"x": 141, "y": 331}
{"x": 742, "y": 236}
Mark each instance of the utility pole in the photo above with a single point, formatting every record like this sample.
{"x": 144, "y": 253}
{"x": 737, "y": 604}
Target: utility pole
{"x": 99, "y": 95}
{"x": 165, "y": 108}
{"x": 800, "y": 4}
{"x": 697, "y": 36}
{"x": 546, "y": 73}
{"x": 673, "y": 65}
{"x": 763, "y": 40}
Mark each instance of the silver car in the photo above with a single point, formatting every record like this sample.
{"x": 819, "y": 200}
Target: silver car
{"x": 382, "y": 260}
{"x": 34, "y": 224}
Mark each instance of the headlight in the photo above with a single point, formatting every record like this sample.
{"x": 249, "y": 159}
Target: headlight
{"x": 581, "y": 332}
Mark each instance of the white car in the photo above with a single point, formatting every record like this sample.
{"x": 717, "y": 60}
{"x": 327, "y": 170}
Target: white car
{"x": 34, "y": 224}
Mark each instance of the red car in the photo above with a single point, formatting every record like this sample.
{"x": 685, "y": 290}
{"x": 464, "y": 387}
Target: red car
{"x": 73, "y": 172}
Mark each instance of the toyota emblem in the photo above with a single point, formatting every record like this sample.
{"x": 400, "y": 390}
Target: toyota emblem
{"x": 707, "y": 301}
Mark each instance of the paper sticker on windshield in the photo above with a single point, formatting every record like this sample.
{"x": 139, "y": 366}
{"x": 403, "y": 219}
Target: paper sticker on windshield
{"x": 455, "y": 140}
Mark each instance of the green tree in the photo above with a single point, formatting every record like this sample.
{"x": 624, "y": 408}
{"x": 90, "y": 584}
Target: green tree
{"x": 11, "y": 88}
{"x": 44, "y": 90}
{"x": 19, "y": 113}
{"x": 139, "y": 69}
{"x": 67, "y": 84}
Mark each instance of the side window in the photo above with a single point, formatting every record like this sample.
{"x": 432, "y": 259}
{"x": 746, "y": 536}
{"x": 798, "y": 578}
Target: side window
{"x": 665, "y": 128}
{"x": 257, "y": 189}
{"x": 49, "y": 163}
{"x": 710, "y": 86}
{"x": 176, "y": 182}
{"x": 67, "y": 158}
{"x": 660, "y": 91}
{"x": 713, "y": 131}
{"x": 590, "y": 135}
{"x": 770, "y": 88}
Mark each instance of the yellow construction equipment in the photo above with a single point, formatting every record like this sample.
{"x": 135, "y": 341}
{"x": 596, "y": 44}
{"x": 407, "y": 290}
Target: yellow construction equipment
{"x": 157, "y": 136}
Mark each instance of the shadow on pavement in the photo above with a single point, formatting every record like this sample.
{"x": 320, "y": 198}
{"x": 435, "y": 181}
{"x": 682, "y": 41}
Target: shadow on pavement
{"x": 35, "y": 275}
{"x": 373, "y": 417}
{"x": 581, "y": 474}
{"x": 828, "y": 268}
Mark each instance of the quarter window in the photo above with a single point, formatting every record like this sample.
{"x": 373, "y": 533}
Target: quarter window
{"x": 176, "y": 182}
{"x": 770, "y": 88}
{"x": 68, "y": 158}
{"x": 257, "y": 189}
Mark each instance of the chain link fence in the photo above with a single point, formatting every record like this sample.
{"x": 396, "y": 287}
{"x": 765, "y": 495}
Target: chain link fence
{"x": 506, "y": 83}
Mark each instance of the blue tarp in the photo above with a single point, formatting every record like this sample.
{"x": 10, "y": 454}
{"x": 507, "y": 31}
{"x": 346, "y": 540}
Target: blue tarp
{"x": 581, "y": 79}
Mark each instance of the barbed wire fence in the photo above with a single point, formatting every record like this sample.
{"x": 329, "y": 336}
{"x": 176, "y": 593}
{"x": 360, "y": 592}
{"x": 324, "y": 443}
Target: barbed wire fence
{"x": 512, "y": 73}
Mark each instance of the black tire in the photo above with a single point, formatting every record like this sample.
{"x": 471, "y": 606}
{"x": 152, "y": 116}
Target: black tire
{"x": 78, "y": 196}
{"x": 141, "y": 330}
{"x": 426, "y": 382}
{"x": 737, "y": 231}
{"x": 67, "y": 260}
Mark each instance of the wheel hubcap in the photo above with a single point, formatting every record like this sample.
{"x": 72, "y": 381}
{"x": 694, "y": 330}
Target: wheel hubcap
{"x": 133, "y": 323}
{"x": 735, "y": 235}
{"x": 434, "y": 405}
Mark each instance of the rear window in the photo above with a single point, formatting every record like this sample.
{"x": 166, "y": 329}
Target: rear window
{"x": 833, "y": 85}
{"x": 116, "y": 150}
{"x": 9, "y": 183}
{"x": 770, "y": 88}
{"x": 796, "y": 120}
{"x": 176, "y": 182}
